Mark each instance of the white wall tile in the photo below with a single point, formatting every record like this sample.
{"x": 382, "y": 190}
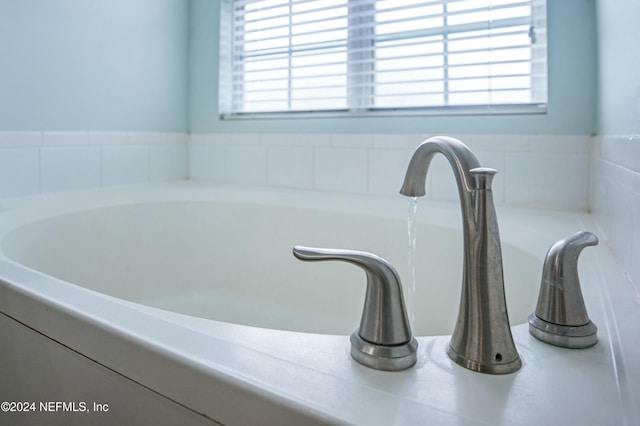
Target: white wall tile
{"x": 247, "y": 164}
{"x": 108, "y": 138}
{"x": 505, "y": 143}
{"x": 303, "y": 139}
{"x": 69, "y": 168}
{"x": 375, "y": 163}
{"x": 560, "y": 143}
{"x": 20, "y": 139}
{"x": 348, "y": 140}
{"x": 341, "y": 169}
{"x": 146, "y": 138}
{"x": 55, "y": 139}
{"x": 290, "y": 166}
{"x": 547, "y": 180}
{"x": 387, "y": 168}
{"x": 622, "y": 150}
{"x": 19, "y": 171}
{"x": 615, "y": 197}
{"x": 218, "y": 139}
{"x": 168, "y": 162}
{"x": 634, "y": 153}
{"x": 123, "y": 164}
{"x": 175, "y": 138}
{"x": 278, "y": 139}
{"x": 600, "y": 195}
{"x": 635, "y": 247}
{"x": 56, "y": 161}
{"x": 621, "y": 232}
{"x": 395, "y": 141}
{"x": 245, "y": 139}
{"x": 207, "y": 161}
{"x": 342, "y": 162}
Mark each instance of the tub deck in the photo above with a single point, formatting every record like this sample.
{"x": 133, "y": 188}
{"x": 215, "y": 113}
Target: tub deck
{"x": 234, "y": 374}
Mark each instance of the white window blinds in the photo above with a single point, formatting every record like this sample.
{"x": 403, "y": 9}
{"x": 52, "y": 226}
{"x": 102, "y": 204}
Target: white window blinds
{"x": 368, "y": 56}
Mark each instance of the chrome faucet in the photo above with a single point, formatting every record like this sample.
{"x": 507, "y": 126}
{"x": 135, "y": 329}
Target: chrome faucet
{"x": 481, "y": 340}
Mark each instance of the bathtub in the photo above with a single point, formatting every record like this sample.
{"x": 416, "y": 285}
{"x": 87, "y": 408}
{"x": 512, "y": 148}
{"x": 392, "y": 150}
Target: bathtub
{"x": 182, "y": 304}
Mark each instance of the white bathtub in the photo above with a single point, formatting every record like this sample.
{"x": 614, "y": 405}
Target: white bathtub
{"x": 183, "y": 303}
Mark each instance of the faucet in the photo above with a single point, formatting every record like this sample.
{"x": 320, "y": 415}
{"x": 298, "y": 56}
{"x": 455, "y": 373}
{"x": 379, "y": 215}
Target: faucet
{"x": 481, "y": 340}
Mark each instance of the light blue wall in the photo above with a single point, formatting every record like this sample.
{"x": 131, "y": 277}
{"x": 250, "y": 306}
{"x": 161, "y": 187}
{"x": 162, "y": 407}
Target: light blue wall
{"x": 100, "y": 65}
{"x": 619, "y": 67}
{"x": 572, "y": 85}
{"x": 123, "y": 65}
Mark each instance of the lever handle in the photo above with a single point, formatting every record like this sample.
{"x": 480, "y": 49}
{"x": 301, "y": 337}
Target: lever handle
{"x": 384, "y": 339}
{"x": 482, "y": 177}
{"x": 561, "y": 316}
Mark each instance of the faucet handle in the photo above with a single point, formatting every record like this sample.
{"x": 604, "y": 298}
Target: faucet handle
{"x": 561, "y": 317}
{"x": 482, "y": 177}
{"x": 384, "y": 340}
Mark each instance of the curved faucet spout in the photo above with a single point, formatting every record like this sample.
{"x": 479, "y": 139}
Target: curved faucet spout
{"x": 459, "y": 155}
{"x": 481, "y": 340}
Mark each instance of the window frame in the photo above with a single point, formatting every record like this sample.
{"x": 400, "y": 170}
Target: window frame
{"x": 356, "y": 108}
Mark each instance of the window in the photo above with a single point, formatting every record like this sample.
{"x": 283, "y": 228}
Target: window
{"x": 383, "y": 56}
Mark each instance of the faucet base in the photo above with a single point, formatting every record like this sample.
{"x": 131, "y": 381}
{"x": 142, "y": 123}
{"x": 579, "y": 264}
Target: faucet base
{"x": 572, "y": 337}
{"x": 500, "y": 366}
{"x": 383, "y": 357}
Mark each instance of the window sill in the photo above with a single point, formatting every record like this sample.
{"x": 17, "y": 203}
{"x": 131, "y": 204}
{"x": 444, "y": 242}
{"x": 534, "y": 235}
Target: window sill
{"x": 404, "y": 112}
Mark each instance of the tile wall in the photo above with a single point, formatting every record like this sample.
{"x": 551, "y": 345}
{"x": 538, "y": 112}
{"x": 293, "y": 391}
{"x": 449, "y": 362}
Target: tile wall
{"x": 549, "y": 171}
{"x": 38, "y": 162}
{"x": 575, "y": 172}
{"x": 615, "y": 197}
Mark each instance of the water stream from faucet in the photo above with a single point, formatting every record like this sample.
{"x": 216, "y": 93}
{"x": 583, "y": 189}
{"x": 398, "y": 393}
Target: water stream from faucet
{"x": 410, "y": 287}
